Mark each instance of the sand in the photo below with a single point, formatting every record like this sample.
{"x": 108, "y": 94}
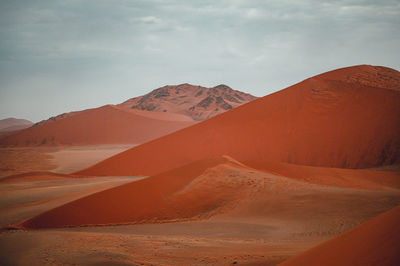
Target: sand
{"x": 22, "y": 160}
{"x": 375, "y": 242}
{"x": 71, "y": 159}
{"x": 375, "y": 179}
{"x": 168, "y": 244}
{"x": 63, "y": 159}
{"x": 256, "y": 217}
{"x": 316, "y": 122}
{"x": 269, "y": 219}
{"x": 25, "y": 195}
{"x": 218, "y": 187}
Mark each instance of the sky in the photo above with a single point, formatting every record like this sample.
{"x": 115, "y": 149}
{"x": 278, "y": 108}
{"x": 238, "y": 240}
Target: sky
{"x": 59, "y": 56}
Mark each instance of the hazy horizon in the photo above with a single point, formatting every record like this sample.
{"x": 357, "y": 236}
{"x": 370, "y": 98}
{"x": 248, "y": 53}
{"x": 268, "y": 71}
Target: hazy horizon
{"x": 58, "y": 56}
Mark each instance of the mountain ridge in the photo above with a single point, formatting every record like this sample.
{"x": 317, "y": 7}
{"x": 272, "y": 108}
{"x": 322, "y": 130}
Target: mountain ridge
{"x": 197, "y": 102}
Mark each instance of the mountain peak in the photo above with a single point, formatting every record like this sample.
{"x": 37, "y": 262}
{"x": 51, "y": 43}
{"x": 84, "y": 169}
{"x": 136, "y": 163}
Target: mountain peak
{"x": 195, "y": 101}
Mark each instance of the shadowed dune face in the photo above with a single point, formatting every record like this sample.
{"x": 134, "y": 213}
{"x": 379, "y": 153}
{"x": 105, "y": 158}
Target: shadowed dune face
{"x": 103, "y": 125}
{"x": 375, "y": 242}
{"x": 145, "y": 200}
{"x": 220, "y": 187}
{"x": 347, "y": 118}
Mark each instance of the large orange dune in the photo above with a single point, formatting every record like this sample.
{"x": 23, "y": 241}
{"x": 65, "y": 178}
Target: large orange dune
{"x": 104, "y": 125}
{"x": 346, "y": 118}
{"x": 376, "y": 242}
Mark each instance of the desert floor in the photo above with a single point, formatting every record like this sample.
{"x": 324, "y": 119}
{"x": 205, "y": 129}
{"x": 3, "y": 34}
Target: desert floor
{"x": 288, "y": 218}
{"x": 55, "y": 159}
{"x": 71, "y": 159}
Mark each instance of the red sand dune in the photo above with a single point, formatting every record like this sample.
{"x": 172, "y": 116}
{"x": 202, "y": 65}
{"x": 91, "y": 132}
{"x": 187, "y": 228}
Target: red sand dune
{"x": 147, "y": 200}
{"x": 104, "y": 125}
{"x": 346, "y": 118}
{"x": 375, "y": 242}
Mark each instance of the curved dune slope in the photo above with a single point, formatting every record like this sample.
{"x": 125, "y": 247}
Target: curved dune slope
{"x": 196, "y": 191}
{"x": 104, "y": 125}
{"x": 375, "y": 242}
{"x": 334, "y": 177}
{"x": 347, "y": 118}
{"x": 164, "y": 197}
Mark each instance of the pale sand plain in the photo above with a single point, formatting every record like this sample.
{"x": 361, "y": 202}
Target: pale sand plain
{"x": 62, "y": 159}
{"x": 71, "y": 159}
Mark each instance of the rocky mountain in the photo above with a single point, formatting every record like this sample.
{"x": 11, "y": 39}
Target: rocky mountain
{"x": 197, "y": 102}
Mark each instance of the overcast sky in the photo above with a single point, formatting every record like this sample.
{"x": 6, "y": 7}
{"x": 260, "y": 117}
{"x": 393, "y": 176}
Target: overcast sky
{"x": 59, "y": 56}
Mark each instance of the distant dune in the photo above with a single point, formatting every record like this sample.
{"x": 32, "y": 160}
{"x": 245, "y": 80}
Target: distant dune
{"x": 376, "y": 242}
{"x": 142, "y": 119}
{"x": 197, "y": 102}
{"x": 104, "y": 125}
{"x": 346, "y": 118}
{"x": 10, "y": 124}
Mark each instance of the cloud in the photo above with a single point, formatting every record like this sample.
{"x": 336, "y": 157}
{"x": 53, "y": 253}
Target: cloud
{"x": 150, "y": 19}
{"x": 253, "y": 13}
